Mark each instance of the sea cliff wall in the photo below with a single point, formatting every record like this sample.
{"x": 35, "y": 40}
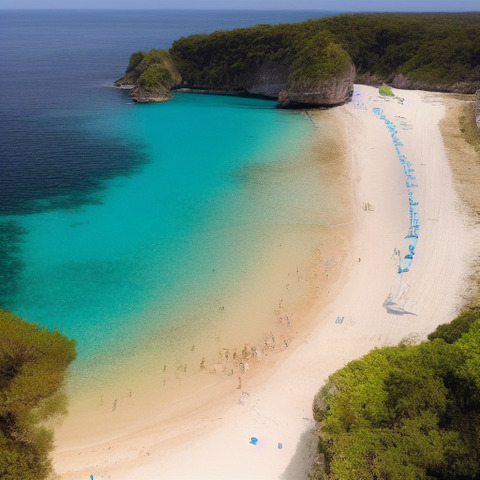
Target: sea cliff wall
{"x": 266, "y": 79}
{"x": 328, "y": 92}
{"x": 154, "y": 81}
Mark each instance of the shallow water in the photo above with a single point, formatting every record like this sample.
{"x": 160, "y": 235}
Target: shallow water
{"x": 220, "y": 172}
{"x": 123, "y": 222}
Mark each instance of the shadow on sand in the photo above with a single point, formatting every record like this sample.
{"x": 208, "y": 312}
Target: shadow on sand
{"x": 301, "y": 462}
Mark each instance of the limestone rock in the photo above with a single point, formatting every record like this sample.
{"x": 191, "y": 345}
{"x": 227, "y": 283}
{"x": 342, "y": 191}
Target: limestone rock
{"x": 326, "y": 92}
{"x": 268, "y": 79}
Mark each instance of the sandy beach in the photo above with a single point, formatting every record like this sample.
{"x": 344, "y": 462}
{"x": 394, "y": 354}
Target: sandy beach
{"x": 400, "y": 183}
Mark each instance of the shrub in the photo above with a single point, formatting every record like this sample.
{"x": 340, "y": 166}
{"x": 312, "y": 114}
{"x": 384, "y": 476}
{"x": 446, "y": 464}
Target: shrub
{"x": 407, "y": 412}
{"x": 33, "y": 364}
{"x": 386, "y": 90}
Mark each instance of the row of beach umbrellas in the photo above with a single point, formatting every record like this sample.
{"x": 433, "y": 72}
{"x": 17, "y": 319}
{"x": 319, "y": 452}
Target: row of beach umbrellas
{"x": 411, "y": 183}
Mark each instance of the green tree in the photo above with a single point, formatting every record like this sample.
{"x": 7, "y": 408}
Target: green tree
{"x": 135, "y": 60}
{"x": 319, "y": 58}
{"x": 33, "y": 364}
{"x": 407, "y": 412}
{"x": 451, "y": 332}
{"x": 438, "y": 50}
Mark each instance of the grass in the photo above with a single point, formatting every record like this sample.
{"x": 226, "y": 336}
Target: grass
{"x": 469, "y": 129}
{"x": 462, "y": 141}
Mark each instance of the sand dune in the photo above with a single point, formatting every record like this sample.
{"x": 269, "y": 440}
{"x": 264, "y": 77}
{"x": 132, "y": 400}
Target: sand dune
{"x": 275, "y": 405}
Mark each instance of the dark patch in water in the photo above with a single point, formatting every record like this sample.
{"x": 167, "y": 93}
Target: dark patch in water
{"x": 48, "y": 165}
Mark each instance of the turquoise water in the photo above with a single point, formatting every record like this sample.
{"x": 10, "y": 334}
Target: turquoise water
{"x": 185, "y": 227}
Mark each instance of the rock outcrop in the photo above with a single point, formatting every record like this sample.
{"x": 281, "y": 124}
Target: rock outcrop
{"x": 319, "y": 74}
{"x": 327, "y": 92}
{"x": 405, "y": 83}
{"x": 267, "y": 79}
{"x": 151, "y": 76}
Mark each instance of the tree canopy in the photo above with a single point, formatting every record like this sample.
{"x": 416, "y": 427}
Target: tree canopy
{"x": 436, "y": 49}
{"x": 439, "y": 52}
{"x": 406, "y": 412}
{"x": 33, "y": 364}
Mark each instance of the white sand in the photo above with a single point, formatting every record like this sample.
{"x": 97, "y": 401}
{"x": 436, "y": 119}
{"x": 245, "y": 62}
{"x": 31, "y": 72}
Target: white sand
{"x": 275, "y": 407}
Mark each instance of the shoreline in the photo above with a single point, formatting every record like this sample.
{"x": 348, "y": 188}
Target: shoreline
{"x": 219, "y": 364}
{"x": 213, "y": 441}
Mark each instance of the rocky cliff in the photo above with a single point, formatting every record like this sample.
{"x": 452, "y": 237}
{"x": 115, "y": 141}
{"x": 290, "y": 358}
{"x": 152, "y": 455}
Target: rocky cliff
{"x": 269, "y": 79}
{"x": 325, "y": 93}
{"x": 321, "y": 74}
{"x": 311, "y": 72}
{"x": 265, "y": 79}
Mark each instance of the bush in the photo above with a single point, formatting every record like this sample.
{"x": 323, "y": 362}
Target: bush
{"x": 135, "y": 60}
{"x": 156, "y": 76}
{"x": 33, "y": 364}
{"x": 385, "y": 90}
{"x": 319, "y": 59}
{"x": 407, "y": 412}
{"x": 451, "y": 332}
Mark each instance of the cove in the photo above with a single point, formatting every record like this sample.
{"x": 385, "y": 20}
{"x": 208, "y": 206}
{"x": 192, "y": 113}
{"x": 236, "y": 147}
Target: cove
{"x": 171, "y": 245}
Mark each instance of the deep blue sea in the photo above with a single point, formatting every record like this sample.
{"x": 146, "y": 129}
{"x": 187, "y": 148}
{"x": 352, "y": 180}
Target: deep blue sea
{"x": 119, "y": 219}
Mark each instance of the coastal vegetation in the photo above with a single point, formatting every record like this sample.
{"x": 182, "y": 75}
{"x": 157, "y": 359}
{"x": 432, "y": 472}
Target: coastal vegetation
{"x": 153, "y": 74}
{"x": 263, "y": 60}
{"x": 385, "y": 90}
{"x": 223, "y": 59}
{"x": 439, "y": 52}
{"x": 406, "y": 412}
{"x": 33, "y": 364}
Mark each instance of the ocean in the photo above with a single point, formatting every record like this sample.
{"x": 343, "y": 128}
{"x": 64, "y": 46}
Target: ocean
{"x": 131, "y": 226}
